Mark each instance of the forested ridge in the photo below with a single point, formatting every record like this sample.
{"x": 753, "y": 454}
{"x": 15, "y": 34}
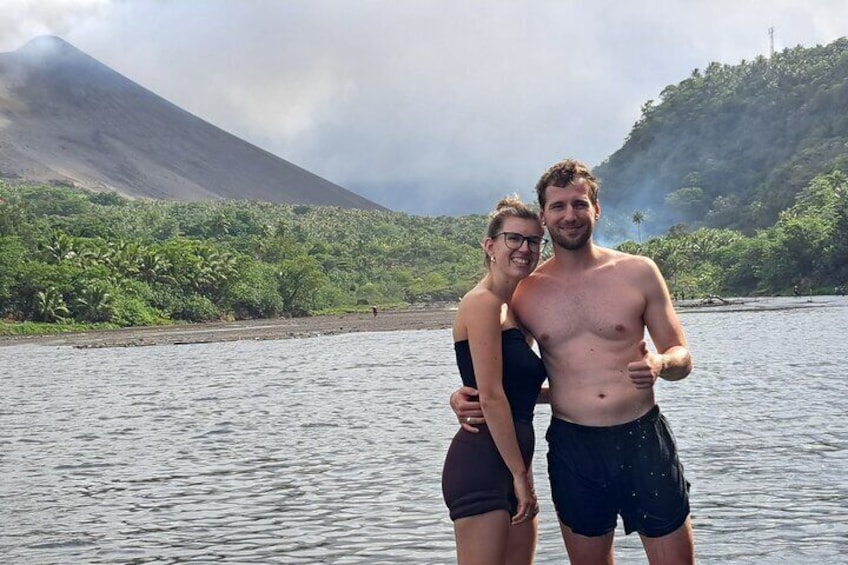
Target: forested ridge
{"x": 732, "y": 146}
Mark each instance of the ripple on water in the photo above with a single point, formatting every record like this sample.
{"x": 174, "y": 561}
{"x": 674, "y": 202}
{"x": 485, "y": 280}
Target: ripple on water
{"x": 329, "y": 450}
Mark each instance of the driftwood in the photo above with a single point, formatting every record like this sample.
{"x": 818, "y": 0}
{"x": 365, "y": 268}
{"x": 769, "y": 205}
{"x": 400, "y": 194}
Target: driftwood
{"x": 713, "y": 298}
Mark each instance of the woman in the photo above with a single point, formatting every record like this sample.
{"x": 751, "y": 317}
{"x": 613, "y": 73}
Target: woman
{"x": 486, "y": 482}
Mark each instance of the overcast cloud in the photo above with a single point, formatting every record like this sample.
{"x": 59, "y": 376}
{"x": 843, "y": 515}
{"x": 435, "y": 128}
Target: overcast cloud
{"x": 428, "y": 107}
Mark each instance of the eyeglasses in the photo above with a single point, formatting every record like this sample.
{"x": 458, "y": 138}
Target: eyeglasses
{"x": 516, "y": 240}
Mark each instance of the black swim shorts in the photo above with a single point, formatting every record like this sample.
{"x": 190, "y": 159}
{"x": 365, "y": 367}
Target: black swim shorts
{"x": 630, "y": 469}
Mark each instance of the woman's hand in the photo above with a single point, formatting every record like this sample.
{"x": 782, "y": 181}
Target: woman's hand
{"x": 528, "y": 505}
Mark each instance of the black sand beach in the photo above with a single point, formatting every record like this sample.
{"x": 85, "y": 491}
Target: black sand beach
{"x": 289, "y": 328}
{"x": 283, "y": 328}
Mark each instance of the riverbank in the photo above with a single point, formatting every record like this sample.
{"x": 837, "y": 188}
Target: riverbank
{"x": 314, "y": 326}
{"x": 282, "y": 328}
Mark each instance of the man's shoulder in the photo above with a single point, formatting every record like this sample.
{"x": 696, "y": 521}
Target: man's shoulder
{"x": 543, "y": 272}
{"x": 628, "y": 260}
{"x": 529, "y": 287}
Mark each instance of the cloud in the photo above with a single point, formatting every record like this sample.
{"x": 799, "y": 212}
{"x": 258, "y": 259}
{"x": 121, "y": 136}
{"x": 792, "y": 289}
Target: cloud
{"x": 425, "y": 106}
{"x": 24, "y": 19}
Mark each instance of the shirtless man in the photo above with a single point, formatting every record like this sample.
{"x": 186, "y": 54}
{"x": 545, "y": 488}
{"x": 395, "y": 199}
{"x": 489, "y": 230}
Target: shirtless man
{"x": 610, "y": 450}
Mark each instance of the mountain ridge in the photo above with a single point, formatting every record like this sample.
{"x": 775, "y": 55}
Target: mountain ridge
{"x": 734, "y": 145}
{"x": 65, "y": 117}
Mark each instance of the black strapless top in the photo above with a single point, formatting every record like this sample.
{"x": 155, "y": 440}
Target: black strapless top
{"x": 523, "y": 372}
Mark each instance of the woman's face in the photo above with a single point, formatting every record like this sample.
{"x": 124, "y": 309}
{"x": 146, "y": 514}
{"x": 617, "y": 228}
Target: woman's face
{"x": 516, "y": 248}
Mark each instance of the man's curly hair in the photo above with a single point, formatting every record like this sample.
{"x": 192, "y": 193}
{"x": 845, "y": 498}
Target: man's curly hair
{"x": 563, "y": 174}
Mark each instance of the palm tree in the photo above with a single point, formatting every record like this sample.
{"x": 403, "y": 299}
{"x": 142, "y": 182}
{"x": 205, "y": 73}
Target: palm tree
{"x": 127, "y": 257}
{"x": 58, "y": 247}
{"x": 94, "y": 304}
{"x": 155, "y": 267}
{"x": 50, "y": 306}
{"x": 638, "y": 218}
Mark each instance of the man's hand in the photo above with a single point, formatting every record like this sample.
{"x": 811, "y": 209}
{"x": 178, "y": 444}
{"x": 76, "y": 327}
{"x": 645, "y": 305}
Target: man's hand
{"x": 465, "y": 405}
{"x": 644, "y": 373}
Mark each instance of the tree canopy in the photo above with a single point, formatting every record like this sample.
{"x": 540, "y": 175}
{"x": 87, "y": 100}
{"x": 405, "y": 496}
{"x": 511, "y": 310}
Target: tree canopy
{"x": 66, "y": 254}
{"x": 733, "y": 145}
{"x": 69, "y": 256}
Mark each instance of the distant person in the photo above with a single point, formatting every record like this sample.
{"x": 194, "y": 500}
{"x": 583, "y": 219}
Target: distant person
{"x": 795, "y": 290}
{"x": 486, "y": 480}
{"x": 611, "y": 451}
{"x": 374, "y": 311}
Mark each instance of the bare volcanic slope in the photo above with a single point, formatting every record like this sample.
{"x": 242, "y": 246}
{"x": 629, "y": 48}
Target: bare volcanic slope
{"x": 66, "y": 117}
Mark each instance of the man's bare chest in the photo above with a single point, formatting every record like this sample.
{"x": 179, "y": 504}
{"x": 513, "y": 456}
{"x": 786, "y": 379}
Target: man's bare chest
{"x": 563, "y": 312}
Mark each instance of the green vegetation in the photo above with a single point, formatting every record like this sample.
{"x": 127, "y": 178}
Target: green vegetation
{"x": 734, "y": 145}
{"x": 70, "y": 257}
{"x": 742, "y": 168}
{"x": 807, "y": 247}
{"x": 72, "y": 260}
{"x": 739, "y": 174}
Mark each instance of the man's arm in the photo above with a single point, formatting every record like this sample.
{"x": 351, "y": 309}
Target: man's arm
{"x": 672, "y": 361}
{"x": 676, "y": 364}
{"x": 465, "y": 404}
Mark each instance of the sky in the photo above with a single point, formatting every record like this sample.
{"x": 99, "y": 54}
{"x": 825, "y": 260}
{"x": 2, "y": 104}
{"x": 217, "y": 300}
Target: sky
{"x": 430, "y": 107}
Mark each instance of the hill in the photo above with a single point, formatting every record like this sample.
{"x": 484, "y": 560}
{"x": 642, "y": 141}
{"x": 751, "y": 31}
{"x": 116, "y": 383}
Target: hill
{"x": 734, "y": 145}
{"x": 65, "y": 118}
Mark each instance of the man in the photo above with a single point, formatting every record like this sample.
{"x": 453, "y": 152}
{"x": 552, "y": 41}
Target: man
{"x": 610, "y": 450}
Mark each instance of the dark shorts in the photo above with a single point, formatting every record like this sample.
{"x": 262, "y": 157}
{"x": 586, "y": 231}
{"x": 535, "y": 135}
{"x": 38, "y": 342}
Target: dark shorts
{"x": 475, "y": 479}
{"x": 631, "y": 469}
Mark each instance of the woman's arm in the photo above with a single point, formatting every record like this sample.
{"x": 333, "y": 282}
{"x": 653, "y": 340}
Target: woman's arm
{"x": 483, "y": 323}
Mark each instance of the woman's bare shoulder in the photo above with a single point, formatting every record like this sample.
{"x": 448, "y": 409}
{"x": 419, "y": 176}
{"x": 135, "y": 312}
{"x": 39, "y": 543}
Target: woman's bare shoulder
{"x": 479, "y": 298}
{"x": 477, "y": 305}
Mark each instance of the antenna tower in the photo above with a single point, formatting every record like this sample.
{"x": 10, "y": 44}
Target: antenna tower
{"x": 771, "y": 42}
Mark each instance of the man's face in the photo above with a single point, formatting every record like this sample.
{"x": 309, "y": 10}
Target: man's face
{"x": 570, "y": 215}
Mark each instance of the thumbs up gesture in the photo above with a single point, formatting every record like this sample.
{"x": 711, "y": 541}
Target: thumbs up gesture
{"x": 645, "y": 371}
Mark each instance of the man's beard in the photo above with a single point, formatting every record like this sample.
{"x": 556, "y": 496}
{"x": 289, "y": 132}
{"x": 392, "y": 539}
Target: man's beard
{"x": 571, "y": 244}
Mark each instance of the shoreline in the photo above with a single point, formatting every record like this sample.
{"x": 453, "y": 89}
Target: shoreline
{"x": 280, "y": 328}
{"x": 435, "y": 318}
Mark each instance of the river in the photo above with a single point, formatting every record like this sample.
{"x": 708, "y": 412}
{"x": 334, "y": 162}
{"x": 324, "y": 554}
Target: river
{"x": 329, "y": 449}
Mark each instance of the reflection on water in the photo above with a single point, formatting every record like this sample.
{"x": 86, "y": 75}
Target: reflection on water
{"x": 329, "y": 450}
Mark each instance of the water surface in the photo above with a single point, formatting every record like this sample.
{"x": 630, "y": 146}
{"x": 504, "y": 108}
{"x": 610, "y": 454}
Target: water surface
{"x": 329, "y": 449}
